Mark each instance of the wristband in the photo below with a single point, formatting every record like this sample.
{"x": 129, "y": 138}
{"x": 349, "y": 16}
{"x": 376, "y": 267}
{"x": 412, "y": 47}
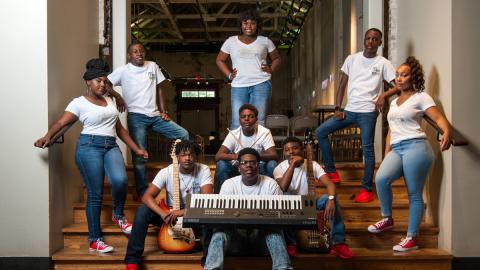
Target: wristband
{"x": 337, "y": 108}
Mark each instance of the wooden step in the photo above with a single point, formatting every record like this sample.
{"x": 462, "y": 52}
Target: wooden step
{"x": 75, "y": 236}
{"x": 364, "y": 258}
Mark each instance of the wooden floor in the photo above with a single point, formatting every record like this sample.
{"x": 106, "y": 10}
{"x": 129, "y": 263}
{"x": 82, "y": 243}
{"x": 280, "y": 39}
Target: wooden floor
{"x": 371, "y": 251}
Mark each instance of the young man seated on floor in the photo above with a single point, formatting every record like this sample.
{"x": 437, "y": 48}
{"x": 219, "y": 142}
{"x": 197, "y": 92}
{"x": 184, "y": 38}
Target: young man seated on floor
{"x": 193, "y": 178}
{"x": 248, "y": 241}
{"x": 249, "y": 134}
{"x": 291, "y": 176}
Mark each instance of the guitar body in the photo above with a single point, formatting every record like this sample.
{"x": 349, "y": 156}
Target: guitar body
{"x": 313, "y": 240}
{"x": 175, "y": 239}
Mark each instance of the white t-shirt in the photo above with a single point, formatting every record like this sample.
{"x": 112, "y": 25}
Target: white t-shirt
{"x": 365, "y": 77}
{"x": 96, "y": 120}
{"x": 248, "y": 59}
{"x": 189, "y": 183}
{"x": 299, "y": 183}
{"x": 139, "y": 86}
{"x": 404, "y": 120}
{"x": 261, "y": 140}
{"x": 264, "y": 186}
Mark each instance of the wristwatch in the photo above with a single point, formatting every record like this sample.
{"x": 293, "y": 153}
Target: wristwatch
{"x": 338, "y": 108}
{"x": 331, "y": 197}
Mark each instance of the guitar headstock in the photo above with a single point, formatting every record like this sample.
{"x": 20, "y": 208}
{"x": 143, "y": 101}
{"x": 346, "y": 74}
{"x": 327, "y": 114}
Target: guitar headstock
{"x": 309, "y": 138}
{"x": 172, "y": 151}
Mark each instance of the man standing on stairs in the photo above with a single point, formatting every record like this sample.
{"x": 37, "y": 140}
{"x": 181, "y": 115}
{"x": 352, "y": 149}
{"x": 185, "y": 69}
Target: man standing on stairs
{"x": 250, "y": 134}
{"x": 291, "y": 176}
{"x": 140, "y": 81}
{"x": 194, "y": 178}
{"x": 248, "y": 241}
{"x": 364, "y": 73}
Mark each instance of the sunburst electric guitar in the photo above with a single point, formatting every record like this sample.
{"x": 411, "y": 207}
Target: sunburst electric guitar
{"x": 313, "y": 240}
{"x": 175, "y": 239}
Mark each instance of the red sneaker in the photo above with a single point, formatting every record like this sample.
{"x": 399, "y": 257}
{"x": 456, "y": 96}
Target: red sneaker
{"x": 131, "y": 266}
{"x": 382, "y": 225}
{"x": 334, "y": 177}
{"x": 124, "y": 225}
{"x": 292, "y": 250}
{"x": 406, "y": 244}
{"x": 364, "y": 196}
{"x": 100, "y": 246}
{"x": 342, "y": 251}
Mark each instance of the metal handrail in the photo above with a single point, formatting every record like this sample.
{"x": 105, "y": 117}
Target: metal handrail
{"x": 456, "y": 137}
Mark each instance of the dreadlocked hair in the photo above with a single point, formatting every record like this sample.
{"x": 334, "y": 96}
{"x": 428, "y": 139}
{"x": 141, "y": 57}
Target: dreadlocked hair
{"x": 187, "y": 146}
{"x": 416, "y": 69}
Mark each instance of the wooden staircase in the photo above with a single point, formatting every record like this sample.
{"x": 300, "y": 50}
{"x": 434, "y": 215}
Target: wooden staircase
{"x": 371, "y": 251}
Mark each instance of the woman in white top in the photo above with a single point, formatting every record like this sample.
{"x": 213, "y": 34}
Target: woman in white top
{"x": 250, "y": 74}
{"x": 408, "y": 152}
{"x": 97, "y": 152}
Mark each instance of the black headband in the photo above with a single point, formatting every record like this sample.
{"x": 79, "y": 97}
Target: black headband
{"x": 96, "y": 68}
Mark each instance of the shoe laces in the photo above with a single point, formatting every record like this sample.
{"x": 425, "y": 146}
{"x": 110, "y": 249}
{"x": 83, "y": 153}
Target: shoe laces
{"x": 405, "y": 241}
{"x": 100, "y": 245}
{"x": 123, "y": 223}
{"x": 382, "y": 223}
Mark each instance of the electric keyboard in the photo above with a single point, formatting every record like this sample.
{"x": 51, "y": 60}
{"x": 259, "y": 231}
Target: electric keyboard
{"x": 215, "y": 210}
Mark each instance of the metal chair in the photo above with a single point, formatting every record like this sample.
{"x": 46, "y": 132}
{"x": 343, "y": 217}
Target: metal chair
{"x": 279, "y": 125}
{"x": 301, "y": 123}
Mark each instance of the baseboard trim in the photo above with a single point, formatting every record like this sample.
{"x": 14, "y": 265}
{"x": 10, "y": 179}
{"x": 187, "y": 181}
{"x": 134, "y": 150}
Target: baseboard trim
{"x": 26, "y": 263}
{"x": 466, "y": 263}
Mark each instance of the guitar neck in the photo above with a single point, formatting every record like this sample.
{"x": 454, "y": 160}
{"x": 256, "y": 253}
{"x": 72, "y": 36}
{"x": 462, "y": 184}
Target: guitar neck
{"x": 176, "y": 185}
{"x": 310, "y": 175}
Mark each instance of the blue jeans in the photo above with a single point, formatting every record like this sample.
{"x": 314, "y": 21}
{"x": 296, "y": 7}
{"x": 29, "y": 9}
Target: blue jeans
{"x": 258, "y": 95}
{"x": 137, "y": 127}
{"x": 412, "y": 159}
{"x": 225, "y": 170}
{"x": 136, "y": 242}
{"x": 247, "y": 242}
{"x": 96, "y": 156}
{"x": 366, "y": 122}
{"x": 337, "y": 230}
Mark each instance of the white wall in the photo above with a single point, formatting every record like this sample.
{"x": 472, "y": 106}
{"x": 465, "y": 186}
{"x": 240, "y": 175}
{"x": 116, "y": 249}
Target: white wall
{"x": 24, "y": 188}
{"x": 72, "y": 41}
{"x": 465, "y": 111}
{"x": 424, "y": 29}
{"x": 45, "y": 55}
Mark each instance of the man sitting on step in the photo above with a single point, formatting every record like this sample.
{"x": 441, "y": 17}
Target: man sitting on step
{"x": 247, "y": 241}
{"x": 291, "y": 176}
{"x": 193, "y": 178}
{"x": 249, "y": 134}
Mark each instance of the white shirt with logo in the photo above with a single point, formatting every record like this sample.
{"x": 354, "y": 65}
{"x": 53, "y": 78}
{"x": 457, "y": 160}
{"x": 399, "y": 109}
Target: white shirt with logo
{"x": 365, "y": 79}
{"x": 139, "y": 86}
